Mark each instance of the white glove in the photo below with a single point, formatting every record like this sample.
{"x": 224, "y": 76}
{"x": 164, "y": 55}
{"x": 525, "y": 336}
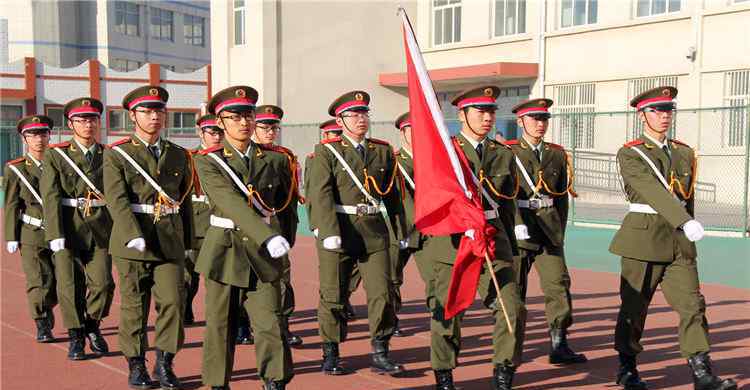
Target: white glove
{"x": 522, "y": 232}
{"x": 315, "y": 233}
{"x": 277, "y": 246}
{"x": 11, "y": 246}
{"x": 403, "y": 244}
{"x": 333, "y": 242}
{"x": 138, "y": 244}
{"x": 469, "y": 233}
{"x": 693, "y": 230}
{"x": 188, "y": 252}
{"x": 57, "y": 244}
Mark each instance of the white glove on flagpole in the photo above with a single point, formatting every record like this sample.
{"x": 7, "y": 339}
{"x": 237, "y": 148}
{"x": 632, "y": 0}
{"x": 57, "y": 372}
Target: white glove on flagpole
{"x": 57, "y": 244}
{"x": 693, "y": 230}
{"x": 277, "y": 246}
{"x": 138, "y": 244}
{"x": 522, "y": 232}
{"x": 332, "y": 242}
{"x": 11, "y": 246}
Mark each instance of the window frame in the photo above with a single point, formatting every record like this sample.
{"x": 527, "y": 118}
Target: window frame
{"x": 62, "y": 124}
{"x": 159, "y": 14}
{"x": 588, "y": 22}
{"x": 112, "y": 129}
{"x": 240, "y": 10}
{"x": 189, "y": 30}
{"x": 576, "y": 120}
{"x": 493, "y": 12}
{"x": 123, "y": 28}
{"x": 453, "y": 5}
{"x": 737, "y": 108}
{"x": 667, "y": 10}
{"x": 127, "y": 68}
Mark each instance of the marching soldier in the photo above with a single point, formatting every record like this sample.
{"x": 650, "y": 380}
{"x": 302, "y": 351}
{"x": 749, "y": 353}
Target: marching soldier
{"x": 210, "y": 135}
{"x": 267, "y": 128}
{"x": 546, "y": 181}
{"x": 492, "y": 165}
{"x": 146, "y": 181}
{"x": 24, "y": 227}
{"x": 78, "y": 227}
{"x": 252, "y": 202}
{"x": 657, "y": 242}
{"x": 351, "y": 182}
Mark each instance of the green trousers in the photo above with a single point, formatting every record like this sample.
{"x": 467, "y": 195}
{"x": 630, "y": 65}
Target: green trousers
{"x": 679, "y": 283}
{"x": 191, "y": 278}
{"x": 287, "y": 291}
{"x": 84, "y": 285}
{"x": 335, "y": 272}
{"x": 40, "y": 280}
{"x": 139, "y": 281}
{"x": 262, "y": 301}
{"x": 554, "y": 278}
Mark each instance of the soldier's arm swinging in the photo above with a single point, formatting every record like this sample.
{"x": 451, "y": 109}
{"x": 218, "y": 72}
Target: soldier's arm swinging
{"x": 116, "y": 196}
{"x": 50, "y": 188}
{"x": 321, "y": 195}
{"x": 186, "y": 207}
{"x": 12, "y": 206}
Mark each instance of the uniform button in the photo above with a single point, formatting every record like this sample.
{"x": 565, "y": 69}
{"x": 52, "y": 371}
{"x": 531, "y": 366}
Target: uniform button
{"x": 244, "y": 238}
{"x": 177, "y": 174}
{"x": 158, "y": 172}
{"x": 270, "y": 186}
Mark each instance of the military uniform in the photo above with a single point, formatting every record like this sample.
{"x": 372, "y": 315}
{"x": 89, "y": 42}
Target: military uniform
{"x": 235, "y": 259}
{"x": 492, "y": 164}
{"x": 352, "y": 230}
{"x": 162, "y": 220}
{"x": 543, "y": 208}
{"x": 24, "y": 228}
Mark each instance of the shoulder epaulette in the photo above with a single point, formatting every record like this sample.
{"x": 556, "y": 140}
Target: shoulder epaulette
{"x": 18, "y": 160}
{"x": 330, "y": 140}
{"x": 60, "y": 145}
{"x": 556, "y": 146}
{"x": 211, "y": 150}
{"x": 511, "y": 142}
{"x": 378, "y": 141}
{"x": 679, "y": 142}
{"x": 174, "y": 144}
{"x": 277, "y": 148}
{"x": 498, "y": 143}
{"x": 120, "y": 142}
{"x": 634, "y": 143}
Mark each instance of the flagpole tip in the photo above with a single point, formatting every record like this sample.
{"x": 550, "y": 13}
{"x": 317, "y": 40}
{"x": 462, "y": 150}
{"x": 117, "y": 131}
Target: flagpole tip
{"x": 400, "y": 10}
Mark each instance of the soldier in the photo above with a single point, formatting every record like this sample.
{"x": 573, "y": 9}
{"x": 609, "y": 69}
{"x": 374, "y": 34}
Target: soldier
{"x": 328, "y": 130}
{"x": 252, "y": 202}
{"x": 351, "y": 181}
{"x": 78, "y": 227}
{"x": 657, "y": 242}
{"x": 546, "y": 178}
{"x": 210, "y": 135}
{"x": 24, "y": 227}
{"x": 492, "y": 165}
{"x": 146, "y": 180}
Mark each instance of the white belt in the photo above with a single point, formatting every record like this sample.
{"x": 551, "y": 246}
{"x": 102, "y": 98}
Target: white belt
{"x": 149, "y": 209}
{"x": 82, "y": 202}
{"x": 200, "y": 199}
{"x": 225, "y": 223}
{"x": 535, "y": 203}
{"x": 642, "y": 208}
{"x": 360, "y": 209}
{"x": 490, "y": 214}
{"x": 31, "y": 220}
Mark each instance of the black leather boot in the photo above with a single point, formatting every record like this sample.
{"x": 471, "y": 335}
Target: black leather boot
{"x": 77, "y": 344}
{"x": 278, "y": 385}
{"x": 703, "y": 378}
{"x": 444, "y": 380}
{"x": 397, "y": 332}
{"x": 331, "y": 364}
{"x": 44, "y": 331}
{"x": 292, "y": 339}
{"x": 163, "y": 370}
{"x": 349, "y": 312}
{"x": 244, "y": 335}
{"x": 138, "y": 377}
{"x": 96, "y": 341}
{"x": 560, "y": 352}
{"x": 502, "y": 377}
{"x": 627, "y": 374}
{"x": 380, "y": 364}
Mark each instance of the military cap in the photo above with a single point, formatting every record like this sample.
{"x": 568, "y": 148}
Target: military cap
{"x": 477, "y": 97}
{"x": 533, "y": 107}
{"x": 34, "y": 123}
{"x": 329, "y": 125}
{"x": 268, "y": 113}
{"x": 659, "y": 96}
{"x": 402, "y": 121}
{"x": 350, "y": 101}
{"x": 151, "y": 96}
{"x": 85, "y": 106}
{"x": 208, "y": 121}
{"x": 235, "y": 98}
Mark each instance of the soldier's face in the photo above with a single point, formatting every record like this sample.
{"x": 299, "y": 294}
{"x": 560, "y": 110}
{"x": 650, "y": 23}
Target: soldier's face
{"x": 355, "y": 122}
{"x": 36, "y": 141}
{"x": 477, "y": 120}
{"x": 238, "y": 126}
{"x": 656, "y": 120}
{"x": 86, "y": 127}
{"x": 148, "y": 119}
{"x": 266, "y": 133}
{"x": 210, "y": 137}
{"x": 534, "y": 126}
{"x": 406, "y": 136}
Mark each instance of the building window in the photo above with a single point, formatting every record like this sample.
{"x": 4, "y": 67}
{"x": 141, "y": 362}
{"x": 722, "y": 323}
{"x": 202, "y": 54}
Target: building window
{"x": 656, "y": 7}
{"x": 194, "y": 28}
{"x": 574, "y": 113}
{"x": 239, "y": 22}
{"x": 127, "y": 18}
{"x": 56, "y": 114}
{"x": 578, "y": 12}
{"x": 123, "y": 65}
{"x": 446, "y": 21}
{"x": 118, "y": 120}
{"x": 635, "y": 87}
{"x": 737, "y": 99}
{"x": 178, "y": 119}
{"x": 510, "y": 17}
{"x": 162, "y": 26}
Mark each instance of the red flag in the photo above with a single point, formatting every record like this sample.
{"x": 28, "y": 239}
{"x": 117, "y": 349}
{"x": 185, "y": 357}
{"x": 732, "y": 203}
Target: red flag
{"x": 445, "y": 202}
